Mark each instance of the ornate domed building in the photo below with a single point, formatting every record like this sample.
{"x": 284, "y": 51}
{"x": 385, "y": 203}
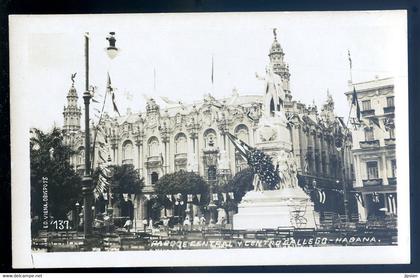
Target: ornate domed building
{"x": 163, "y": 140}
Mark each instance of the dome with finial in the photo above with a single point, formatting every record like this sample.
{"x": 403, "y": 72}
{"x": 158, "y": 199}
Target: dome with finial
{"x": 151, "y": 106}
{"x": 275, "y": 47}
{"x": 72, "y": 91}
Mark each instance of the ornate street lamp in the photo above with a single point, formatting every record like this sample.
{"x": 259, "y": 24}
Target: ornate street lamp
{"x": 87, "y": 185}
{"x": 111, "y": 50}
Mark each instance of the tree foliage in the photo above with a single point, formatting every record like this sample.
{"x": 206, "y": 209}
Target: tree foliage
{"x": 124, "y": 179}
{"x": 180, "y": 182}
{"x": 51, "y": 171}
{"x": 240, "y": 184}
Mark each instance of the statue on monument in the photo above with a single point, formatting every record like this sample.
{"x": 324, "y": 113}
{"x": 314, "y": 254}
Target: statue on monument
{"x": 287, "y": 170}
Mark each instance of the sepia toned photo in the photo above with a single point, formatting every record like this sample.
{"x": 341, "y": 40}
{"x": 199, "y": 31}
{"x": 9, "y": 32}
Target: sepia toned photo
{"x": 166, "y": 139}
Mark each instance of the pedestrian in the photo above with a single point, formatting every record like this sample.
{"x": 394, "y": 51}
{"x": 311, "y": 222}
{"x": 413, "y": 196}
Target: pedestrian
{"x": 196, "y": 220}
{"x": 144, "y": 224}
{"x": 202, "y": 221}
{"x": 187, "y": 221}
{"x": 128, "y": 225}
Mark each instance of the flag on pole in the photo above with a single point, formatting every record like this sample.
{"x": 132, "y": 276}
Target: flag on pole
{"x": 350, "y": 61}
{"x": 111, "y": 91}
{"x": 355, "y": 102}
{"x": 375, "y": 121}
{"x": 341, "y": 120}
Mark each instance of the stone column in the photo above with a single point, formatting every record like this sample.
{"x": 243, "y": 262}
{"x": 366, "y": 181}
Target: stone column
{"x": 296, "y": 143}
{"x": 139, "y": 144}
{"x": 327, "y": 155}
{"x": 384, "y": 169}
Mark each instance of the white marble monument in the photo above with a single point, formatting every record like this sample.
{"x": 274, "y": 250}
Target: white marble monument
{"x": 287, "y": 205}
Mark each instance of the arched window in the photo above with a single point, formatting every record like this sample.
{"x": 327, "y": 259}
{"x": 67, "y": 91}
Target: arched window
{"x": 241, "y": 131}
{"x": 154, "y": 177}
{"x": 210, "y": 139}
{"x": 153, "y": 146}
{"x": 81, "y": 156}
{"x": 128, "y": 152}
{"x": 180, "y": 143}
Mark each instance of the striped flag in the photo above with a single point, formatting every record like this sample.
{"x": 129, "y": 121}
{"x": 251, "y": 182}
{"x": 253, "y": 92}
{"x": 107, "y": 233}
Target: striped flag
{"x": 350, "y": 61}
{"x": 111, "y": 91}
{"x": 355, "y": 101}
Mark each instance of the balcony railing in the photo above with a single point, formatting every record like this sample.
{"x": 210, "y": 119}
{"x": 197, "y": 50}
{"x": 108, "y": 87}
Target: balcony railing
{"x": 154, "y": 161}
{"x": 369, "y": 112}
{"x": 128, "y": 161}
{"x": 369, "y": 144}
{"x": 372, "y": 182}
{"x": 180, "y": 158}
{"x": 389, "y": 141}
{"x": 392, "y": 180}
{"x": 389, "y": 109}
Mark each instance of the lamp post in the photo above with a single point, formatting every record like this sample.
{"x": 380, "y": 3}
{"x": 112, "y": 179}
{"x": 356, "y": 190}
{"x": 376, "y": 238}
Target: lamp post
{"x": 340, "y": 146}
{"x": 87, "y": 189}
{"x": 211, "y": 160}
{"x": 87, "y": 185}
{"x": 76, "y": 217}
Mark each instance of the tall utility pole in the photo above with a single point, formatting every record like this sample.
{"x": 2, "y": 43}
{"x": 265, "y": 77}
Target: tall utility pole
{"x": 87, "y": 189}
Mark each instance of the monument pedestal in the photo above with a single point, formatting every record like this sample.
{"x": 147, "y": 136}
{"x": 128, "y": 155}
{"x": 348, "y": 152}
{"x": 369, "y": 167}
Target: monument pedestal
{"x": 286, "y": 207}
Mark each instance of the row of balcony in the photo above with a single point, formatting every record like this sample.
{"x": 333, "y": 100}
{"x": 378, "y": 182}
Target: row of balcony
{"x": 379, "y": 182}
{"x": 375, "y": 143}
{"x": 371, "y": 112}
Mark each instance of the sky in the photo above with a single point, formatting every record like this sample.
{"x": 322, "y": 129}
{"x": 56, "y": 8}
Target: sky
{"x": 179, "y": 48}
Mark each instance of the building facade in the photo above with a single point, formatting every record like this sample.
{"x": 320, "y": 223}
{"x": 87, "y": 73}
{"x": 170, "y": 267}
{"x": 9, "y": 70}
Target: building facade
{"x": 374, "y": 148}
{"x": 163, "y": 140}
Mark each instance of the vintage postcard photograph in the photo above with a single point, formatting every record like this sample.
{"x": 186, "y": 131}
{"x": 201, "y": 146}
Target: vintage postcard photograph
{"x": 209, "y": 139}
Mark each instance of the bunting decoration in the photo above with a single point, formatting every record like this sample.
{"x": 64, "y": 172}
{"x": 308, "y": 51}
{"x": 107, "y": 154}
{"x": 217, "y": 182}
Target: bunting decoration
{"x": 231, "y": 196}
{"x": 224, "y": 197}
{"x": 215, "y": 198}
{"x": 198, "y": 197}
{"x": 321, "y": 196}
{"x": 359, "y": 198}
{"x": 189, "y": 198}
{"x": 375, "y": 197}
{"x": 169, "y": 196}
{"x": 392, "y": 203}
{"x": 147, "y": 196}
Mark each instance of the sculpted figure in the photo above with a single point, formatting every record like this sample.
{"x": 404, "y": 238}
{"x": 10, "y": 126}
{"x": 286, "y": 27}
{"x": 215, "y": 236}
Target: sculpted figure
{"x": 258, "y": 186}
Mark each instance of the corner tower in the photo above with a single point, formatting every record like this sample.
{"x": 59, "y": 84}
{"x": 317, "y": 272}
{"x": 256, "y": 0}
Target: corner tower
{"x": 278, "y": 65}
{"x": 72, "y": 113}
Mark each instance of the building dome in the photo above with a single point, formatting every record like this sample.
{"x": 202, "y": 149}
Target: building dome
{"x": 151, "y": 106}
{"x": 275, "y": 48}
{"x": 72, "y": 92}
